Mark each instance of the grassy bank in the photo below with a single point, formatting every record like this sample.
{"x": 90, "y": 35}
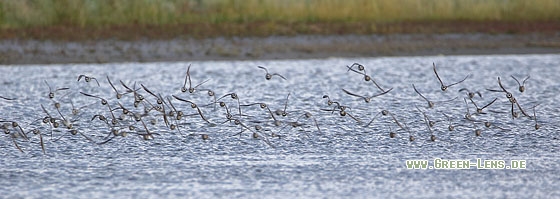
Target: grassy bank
{"x": 29, "y": 13}
{"x": 210, "y": 17}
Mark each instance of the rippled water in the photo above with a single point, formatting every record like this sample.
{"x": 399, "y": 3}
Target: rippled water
{"x": 343, "y": 159}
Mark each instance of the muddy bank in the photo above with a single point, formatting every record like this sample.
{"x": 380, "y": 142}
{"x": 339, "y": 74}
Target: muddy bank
{"x": 16, "y": 51}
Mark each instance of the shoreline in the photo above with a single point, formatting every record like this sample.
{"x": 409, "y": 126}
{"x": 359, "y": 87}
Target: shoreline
{"x": 28, "y": 51}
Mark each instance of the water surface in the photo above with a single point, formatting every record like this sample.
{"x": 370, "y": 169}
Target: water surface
{"x": 343, "y": 158}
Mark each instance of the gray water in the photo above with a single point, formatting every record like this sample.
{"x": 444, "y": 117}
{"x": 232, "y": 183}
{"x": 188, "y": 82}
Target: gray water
{"x": 341, "y": 158}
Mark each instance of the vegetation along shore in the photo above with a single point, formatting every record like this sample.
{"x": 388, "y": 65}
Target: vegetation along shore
{"x": 28, "y": 27}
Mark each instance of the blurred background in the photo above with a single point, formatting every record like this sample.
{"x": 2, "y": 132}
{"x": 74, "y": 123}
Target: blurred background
{"x": 59, "y": 19}
{"x": 78, "y": 31}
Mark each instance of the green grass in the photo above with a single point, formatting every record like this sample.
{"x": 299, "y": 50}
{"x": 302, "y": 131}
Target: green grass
{"x": 100, "y": 13}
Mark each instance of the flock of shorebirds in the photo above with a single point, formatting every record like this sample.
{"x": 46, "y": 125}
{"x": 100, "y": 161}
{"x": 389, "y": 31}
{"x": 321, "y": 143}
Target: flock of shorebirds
{"x": 136, "y": 110}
